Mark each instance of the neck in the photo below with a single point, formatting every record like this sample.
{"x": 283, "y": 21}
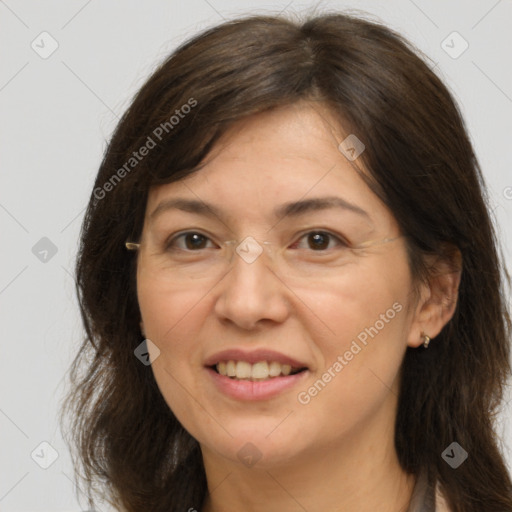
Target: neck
{"x": 354, "y": 476}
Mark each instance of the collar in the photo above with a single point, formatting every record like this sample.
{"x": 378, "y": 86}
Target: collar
{"x": 424, "y": 495}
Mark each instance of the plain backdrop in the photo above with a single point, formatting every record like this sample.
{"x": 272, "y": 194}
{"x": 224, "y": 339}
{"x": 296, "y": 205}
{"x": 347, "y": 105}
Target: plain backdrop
{"x": 58, "y": 111}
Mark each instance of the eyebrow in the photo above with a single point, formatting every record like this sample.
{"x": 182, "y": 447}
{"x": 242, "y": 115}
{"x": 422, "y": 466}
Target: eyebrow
{"x": 294, "y": 208}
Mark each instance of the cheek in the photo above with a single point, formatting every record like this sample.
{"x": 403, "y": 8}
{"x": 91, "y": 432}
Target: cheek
{"x": 173, "y": 320}
{"x": 165, "y": 308}
{"x": 361, "y": 294}
{"x": 360, "y": 356}
{"x": 366, "y": 324}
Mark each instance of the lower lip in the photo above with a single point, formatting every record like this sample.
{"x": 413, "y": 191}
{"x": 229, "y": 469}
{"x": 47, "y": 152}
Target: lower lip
{"x": 255, "y": 390}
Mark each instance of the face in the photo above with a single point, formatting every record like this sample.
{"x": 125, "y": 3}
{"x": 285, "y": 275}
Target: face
{"x": 322, "y": 286}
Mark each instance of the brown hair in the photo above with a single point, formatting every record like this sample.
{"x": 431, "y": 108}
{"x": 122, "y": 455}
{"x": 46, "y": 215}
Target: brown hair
{"x": 130, "y": 446}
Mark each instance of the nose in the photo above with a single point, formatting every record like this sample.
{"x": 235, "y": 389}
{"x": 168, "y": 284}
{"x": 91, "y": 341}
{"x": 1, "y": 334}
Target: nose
{"x": 252, "y": 294}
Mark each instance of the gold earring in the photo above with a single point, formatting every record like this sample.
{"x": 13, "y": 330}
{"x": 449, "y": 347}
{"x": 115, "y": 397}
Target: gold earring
{"x": 426, "y": 340}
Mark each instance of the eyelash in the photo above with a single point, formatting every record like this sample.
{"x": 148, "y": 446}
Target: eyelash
{"x": 169, "y": 245}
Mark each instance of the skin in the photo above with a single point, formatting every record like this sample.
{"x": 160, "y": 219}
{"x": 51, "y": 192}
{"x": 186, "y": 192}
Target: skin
{"x": 335, "y": 452}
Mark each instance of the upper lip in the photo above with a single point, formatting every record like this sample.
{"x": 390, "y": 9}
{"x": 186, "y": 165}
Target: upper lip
{"x": 253, "y": 356}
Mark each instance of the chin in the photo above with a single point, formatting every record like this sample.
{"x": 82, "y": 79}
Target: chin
{"x": 260, "y": 446}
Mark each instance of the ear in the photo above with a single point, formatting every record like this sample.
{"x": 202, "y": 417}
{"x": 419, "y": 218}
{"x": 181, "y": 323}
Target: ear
{"x": 438, "y": 296}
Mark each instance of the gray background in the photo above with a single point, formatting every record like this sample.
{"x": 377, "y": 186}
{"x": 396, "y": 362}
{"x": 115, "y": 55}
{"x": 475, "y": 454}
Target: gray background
{"x": 57, "y": 114}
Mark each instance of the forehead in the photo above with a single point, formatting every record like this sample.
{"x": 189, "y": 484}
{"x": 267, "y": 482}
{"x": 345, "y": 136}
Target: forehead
{"x": 272, "y": 158}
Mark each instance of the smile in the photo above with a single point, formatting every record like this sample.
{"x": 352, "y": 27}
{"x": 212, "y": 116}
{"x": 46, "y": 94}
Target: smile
{"x": 262, "y": 370}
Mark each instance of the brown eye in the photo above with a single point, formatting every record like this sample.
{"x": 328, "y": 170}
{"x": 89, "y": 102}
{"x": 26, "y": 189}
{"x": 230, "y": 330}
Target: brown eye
{"x": 319, "y": 241}
{"x": 195, "y": 241}
{"x": 190, "y": 241}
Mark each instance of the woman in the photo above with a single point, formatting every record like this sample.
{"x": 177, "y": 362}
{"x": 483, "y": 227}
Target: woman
{"x": 290, "y": 285}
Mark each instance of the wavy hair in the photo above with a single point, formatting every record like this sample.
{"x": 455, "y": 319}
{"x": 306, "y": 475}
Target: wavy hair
{"x": 130, "y": 448}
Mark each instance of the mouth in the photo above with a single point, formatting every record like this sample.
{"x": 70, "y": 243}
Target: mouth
{"x": 257, "y": 372}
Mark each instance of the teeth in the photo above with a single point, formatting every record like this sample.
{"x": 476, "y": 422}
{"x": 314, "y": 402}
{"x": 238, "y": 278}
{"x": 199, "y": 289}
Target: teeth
{"x": 275, "y": 369}
{"x": 286, "y": 369}
{"x": 230, "y": 369}
{"x": 262, "y": 370}
{"x": 243, "y": 370}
